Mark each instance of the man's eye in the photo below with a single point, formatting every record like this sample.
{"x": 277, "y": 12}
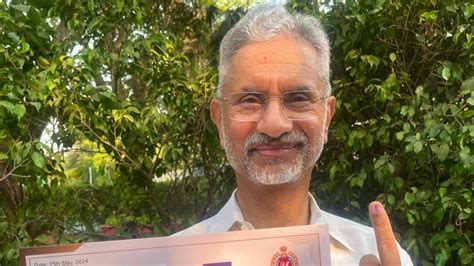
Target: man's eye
{"x": 297, "y": 97}
{"x": 250, "y": 99}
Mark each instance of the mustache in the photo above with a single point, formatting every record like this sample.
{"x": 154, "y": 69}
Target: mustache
{"x": 292, "y": 138}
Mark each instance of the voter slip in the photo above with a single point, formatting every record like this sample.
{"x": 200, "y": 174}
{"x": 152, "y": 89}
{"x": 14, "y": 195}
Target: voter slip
{"x": 286, "y": 246}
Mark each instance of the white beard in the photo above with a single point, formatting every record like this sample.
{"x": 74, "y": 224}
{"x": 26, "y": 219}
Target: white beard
{"x": 274, "y": 172}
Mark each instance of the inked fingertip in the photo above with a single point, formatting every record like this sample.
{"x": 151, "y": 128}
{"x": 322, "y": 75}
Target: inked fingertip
{"x": 375, "y": 207}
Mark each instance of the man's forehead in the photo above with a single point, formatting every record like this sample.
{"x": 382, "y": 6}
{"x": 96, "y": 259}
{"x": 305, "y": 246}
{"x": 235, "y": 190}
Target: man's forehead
{"x": 279, "y": 50}
{"x": 289, "y": 79}
{"x": 284, "y": 63}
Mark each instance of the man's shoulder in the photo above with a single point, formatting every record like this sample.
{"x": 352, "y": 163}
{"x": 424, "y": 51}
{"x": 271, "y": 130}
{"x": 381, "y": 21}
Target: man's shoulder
{"x": 203, "y": 227}
{"x": 344, "y": 224}
{"x": 220, "y": 222}
{"x": 354, "y": 235}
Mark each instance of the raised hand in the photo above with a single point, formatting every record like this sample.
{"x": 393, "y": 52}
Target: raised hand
{"x": 386, "y": 243}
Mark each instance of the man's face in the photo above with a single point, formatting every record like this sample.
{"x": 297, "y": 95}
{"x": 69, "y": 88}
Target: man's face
{"x": 274, "y": 150}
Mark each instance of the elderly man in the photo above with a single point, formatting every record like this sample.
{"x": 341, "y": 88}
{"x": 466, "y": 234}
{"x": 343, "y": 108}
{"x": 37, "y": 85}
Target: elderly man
{"x": 273, "y": 111}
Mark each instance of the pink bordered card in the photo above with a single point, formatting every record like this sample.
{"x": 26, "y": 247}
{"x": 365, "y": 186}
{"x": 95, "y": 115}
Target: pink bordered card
{"x": 286, "y": 246}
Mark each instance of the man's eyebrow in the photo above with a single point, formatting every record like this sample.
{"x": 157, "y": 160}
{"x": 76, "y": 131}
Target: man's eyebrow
{"x": 286, "y": 89}
{"x": 301, "y": 88}
{"x": 304, "y": 88}
{"x": 250, "y": 89}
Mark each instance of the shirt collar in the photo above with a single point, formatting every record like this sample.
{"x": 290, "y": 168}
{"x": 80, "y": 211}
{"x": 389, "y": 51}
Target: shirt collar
{"x": 321, "y": 217}
{"x": 230, "y": 218}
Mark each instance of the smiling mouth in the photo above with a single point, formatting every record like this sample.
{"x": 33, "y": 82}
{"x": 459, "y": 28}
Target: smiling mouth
{"x": 274, "y": 149}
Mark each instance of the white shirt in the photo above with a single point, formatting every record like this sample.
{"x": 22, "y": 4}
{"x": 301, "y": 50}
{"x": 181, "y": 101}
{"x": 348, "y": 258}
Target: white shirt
{"x": 349, "y": 241}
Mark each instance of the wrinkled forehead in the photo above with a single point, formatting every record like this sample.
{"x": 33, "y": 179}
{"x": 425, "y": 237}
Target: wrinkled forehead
{"x": 279, "y": 50}
{"x": 283, "y": 62}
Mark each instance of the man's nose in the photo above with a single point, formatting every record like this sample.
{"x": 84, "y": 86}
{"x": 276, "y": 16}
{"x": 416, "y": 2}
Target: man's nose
{"x": 274, "y": 122}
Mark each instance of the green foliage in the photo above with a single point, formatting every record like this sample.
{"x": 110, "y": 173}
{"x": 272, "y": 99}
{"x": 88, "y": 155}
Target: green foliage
{"x": 403, "y": 128}
{"x": 123, "y": 89}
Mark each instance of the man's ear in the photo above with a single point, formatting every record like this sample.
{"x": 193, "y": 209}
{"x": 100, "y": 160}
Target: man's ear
{"x": 331, "y": 108}
{"x": 216, "y": 116}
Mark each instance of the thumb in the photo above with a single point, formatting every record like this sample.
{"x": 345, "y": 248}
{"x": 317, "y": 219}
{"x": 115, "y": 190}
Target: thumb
{"x": 369, "y": 260}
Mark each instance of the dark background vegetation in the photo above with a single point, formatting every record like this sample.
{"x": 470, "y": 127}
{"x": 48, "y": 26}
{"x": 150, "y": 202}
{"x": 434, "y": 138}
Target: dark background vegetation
{"x": 104, "y": 120}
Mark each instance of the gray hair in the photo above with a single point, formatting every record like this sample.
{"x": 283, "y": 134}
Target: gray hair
{"x": 265, "y": 22}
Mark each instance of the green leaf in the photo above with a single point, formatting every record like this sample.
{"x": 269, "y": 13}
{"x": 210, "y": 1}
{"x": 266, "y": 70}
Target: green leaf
{"x": 429, "y": 16}
{"x": 467, "y": 210}
{"x": 417, "y": 147}
{"x": 90, "y": 5}
{"x": 129, "y": 118}
{"x": 361, "y": 18}
{"x": 442, "y": 191}
{"x": 3, "y": 133}
{"x": 468, "y": 11}
{"x": 438, "y": 215}
{"x": 465, "y": 255}
{"x": 119, "y": 5}
{"x": 139, "y": 17}
{"x": 8, "y": 105}
{"x": 3, "y": 227}
{"x": 25, "y": 47}
{"x": 14, "y": 36}
{"x": 456, "y": 72}
{"x": 43, "y": 62}
{"x": 441, "y": 259}
{"x": 465, "y": 214}
{"x": 109, "y": 95}
{"x": 38, "y": 159}
{"x": 393, "y": 57}
{"x": 371, "y": 60}
{"x": 449, "y": 228}
{"x": 443, "y": 152}
{"x": 11, "y": 254}
{"x": 22, "y": 8}
{"x": 19, "y": 110}
{"x": 409, "y": 198}
{"x": 95, "y": 21}
{"x": 446, "y": 73}
{"x": 332, "y": 172}
{"x": 3, "y": 156}
{"x": 419, "y": 91}
{"x": 391, "y": 81}
{"x": 452, "y": 8}
{"x": 379, "y": 163}
{"x": 468, "y": 113}
{"x": 470, "y": 100}
{"x": 410, "y": 219}
{"x": 42, "y": 238}
{"x": 391, "y": 199}
{"x": 38, "y": 145}
{"x": 379, "y": 3}
{"x": 399, "y": 182}
{"x": 468, "y": 85}
{"x": 133, "y": 109}
{"x": 406, "y": 127}
{"x": 399, "y": 135}
{"x": 37, "y": 105}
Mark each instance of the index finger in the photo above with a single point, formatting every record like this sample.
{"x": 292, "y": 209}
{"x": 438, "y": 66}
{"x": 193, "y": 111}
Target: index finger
{"x": 386, "y": 242}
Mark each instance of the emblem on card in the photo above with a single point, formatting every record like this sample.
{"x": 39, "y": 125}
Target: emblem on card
{"x": 284, "y": 258}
